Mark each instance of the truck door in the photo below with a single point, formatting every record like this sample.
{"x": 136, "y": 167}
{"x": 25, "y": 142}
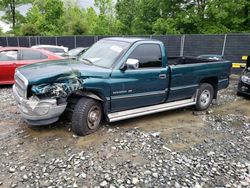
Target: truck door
{"x": 144, "y": 86}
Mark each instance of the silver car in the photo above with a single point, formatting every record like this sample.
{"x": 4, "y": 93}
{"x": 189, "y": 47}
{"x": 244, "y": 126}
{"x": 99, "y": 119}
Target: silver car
{"x": 59, "y": 50}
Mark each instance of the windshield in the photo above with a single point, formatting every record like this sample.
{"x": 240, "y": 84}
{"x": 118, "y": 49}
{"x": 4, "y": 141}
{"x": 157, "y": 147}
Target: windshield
{"x": 104, "y": 52}
{"x": 55, "y": 50}
{"x": 74, "y": 52}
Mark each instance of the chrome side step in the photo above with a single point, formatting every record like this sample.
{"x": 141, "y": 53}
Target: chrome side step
{"x": 117, "y": 116}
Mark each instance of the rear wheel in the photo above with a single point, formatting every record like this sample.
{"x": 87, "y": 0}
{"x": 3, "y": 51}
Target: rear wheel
{"x": 205, "y": 96}
{"x": 87, "y": 116}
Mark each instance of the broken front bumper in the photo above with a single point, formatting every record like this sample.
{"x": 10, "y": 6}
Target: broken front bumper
{"x": 39, "y": 112}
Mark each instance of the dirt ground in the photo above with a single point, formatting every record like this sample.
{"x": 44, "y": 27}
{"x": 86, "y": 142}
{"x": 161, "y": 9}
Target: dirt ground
{"x": 181, "y": 131}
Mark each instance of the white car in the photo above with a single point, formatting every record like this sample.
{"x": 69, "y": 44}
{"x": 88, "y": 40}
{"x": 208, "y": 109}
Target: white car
{"x": 59, "y": 50}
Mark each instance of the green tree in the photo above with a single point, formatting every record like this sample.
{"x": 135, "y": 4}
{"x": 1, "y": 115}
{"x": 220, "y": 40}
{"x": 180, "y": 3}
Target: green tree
{"x": 183, "y": 16}
{"x": 75, "y": 21}
{"x": 29, "y": 30}
{"x": 10, "y": 8}
{"x": 137, "y": 17}
{"x": 106, "y": 21}
{"x": 126, "y": 14}
{"x": 147, "y": 16}
{"x": 148, "y": 13}
{"x": 104, "y": 6}
{"x": 215, "y": 16}
{"x": 1, "y": 32}
{"x": 233, "y": 15}
{"x": 165, "y": 26}
{"x": 69, "y": 3}
{"x": 45, "y": 16}
{"x": 91, "y": 20}
{"x": 177, "y": 16}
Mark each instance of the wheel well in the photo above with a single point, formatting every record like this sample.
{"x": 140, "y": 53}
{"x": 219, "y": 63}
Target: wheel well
{"x": 75, "y": 96}
{"x": 214, "y": 82}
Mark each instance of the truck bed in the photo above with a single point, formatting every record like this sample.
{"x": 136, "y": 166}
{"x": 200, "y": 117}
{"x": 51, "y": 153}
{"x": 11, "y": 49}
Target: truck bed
{"x": 188, "y": 72}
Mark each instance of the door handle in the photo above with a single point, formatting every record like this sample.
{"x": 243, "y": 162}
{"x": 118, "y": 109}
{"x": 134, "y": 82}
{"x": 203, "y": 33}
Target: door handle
{"x": 162, "y": 76}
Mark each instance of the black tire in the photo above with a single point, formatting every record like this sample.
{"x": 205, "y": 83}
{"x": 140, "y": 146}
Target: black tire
{"x": 87, "y": 116}
{"x": 205, "y": 96}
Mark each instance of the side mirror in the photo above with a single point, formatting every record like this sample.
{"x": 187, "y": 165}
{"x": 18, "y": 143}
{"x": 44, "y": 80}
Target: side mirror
{"x": 132, "y": 64}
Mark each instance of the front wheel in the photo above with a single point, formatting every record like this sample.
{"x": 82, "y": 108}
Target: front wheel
{"x": 87, "y": 116}
{"x": 205, "y": 96}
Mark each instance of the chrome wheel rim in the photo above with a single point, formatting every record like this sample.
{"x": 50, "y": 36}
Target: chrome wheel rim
{"x": 94, "y": 117}
{"x": 205, "y": 97}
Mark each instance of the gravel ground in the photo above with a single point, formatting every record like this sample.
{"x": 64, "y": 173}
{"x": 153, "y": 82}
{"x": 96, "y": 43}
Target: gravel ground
{"x": 180, "y": 148}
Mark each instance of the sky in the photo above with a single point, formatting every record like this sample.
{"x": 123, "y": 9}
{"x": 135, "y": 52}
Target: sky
{"x": 23, "y": 10}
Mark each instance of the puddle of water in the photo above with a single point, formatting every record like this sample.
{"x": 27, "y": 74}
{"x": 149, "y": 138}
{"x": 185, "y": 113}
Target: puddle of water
{"x": 48, "y": 131}
{"x": 96, "y": 138}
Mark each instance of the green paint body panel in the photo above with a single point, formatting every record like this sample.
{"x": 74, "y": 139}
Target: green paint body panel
{"x": 129, "y": 89}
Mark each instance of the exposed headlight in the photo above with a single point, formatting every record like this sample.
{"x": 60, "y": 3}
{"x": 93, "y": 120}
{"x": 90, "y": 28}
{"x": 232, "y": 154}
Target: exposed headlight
{"x": 38, "y": 109}
{"x": 245, "y": 79}
{"x": 42, "y": 110}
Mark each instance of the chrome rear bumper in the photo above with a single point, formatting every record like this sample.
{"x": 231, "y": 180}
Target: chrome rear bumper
{"x": 39, "y": 112}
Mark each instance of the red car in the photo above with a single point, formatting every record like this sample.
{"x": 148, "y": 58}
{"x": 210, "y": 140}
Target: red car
{"x": 13, "y": 57}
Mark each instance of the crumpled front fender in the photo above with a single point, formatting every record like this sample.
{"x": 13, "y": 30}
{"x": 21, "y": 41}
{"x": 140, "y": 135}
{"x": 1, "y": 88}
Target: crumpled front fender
{"x": 61, "y": 88}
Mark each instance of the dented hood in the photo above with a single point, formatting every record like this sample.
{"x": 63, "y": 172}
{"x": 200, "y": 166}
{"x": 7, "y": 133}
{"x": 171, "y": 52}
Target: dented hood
{"x": 47, "y": 72}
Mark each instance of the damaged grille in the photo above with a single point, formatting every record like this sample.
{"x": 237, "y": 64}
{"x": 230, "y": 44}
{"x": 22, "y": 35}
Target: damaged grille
{"x": 21, "y": 84}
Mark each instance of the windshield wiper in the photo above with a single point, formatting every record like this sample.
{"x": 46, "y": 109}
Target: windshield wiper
{"x": 90, "y": 62}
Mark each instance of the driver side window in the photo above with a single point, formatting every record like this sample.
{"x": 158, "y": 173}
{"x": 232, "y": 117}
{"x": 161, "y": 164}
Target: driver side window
{"x": 149, "y": 55}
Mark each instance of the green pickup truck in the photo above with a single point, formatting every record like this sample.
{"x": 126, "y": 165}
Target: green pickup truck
{"x": 116, "y": 79}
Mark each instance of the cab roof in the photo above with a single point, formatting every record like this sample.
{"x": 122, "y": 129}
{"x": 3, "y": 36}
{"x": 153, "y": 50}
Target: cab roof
{"x": 129, "y": 39}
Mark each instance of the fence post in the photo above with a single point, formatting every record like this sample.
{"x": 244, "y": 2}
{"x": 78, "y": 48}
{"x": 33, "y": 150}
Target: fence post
{"x": 224, "y": 45}
{"x": 56, "y": 40}
{"x": 182, "y": 45}
{"x": 95, "y": 39}
{"x": 29, "y": 42}
{"x": 7, "y": 42}
{"x": 75, "y": 40}
{"x": 17, "y": 38}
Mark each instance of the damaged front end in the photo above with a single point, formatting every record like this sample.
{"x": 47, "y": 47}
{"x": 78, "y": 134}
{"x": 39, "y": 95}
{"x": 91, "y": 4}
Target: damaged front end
{"x": 44, "y": 103}
{"x": 37, "y": 111}
{"x": 60, "y": 88}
